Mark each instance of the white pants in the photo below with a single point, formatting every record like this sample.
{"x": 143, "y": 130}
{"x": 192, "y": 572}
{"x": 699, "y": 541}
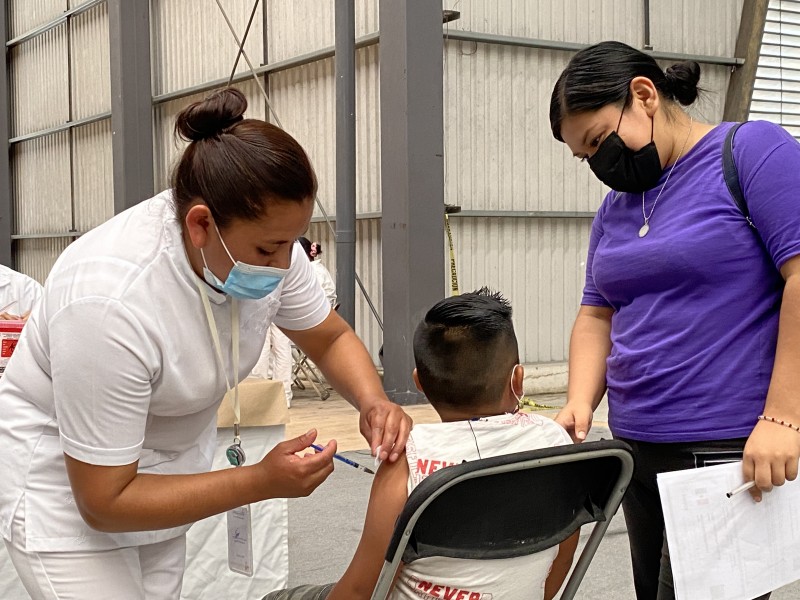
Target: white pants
{"x": 150, "y": 572}
{"x": 275, "y": 361}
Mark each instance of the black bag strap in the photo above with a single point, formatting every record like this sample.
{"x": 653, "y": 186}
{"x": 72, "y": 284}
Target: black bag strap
{"x": 731, "y": 174}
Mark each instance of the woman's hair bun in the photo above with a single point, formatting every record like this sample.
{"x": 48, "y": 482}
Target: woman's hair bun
{"x": 682, "y": 81}
{"x": 211, "y": 116}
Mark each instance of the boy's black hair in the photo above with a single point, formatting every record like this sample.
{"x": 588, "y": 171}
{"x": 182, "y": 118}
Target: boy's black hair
{"x": 465, "y": 349}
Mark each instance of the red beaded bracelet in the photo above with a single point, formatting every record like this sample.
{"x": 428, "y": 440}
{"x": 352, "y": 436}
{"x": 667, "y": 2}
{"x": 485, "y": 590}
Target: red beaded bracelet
{"x": 779, "y": 422}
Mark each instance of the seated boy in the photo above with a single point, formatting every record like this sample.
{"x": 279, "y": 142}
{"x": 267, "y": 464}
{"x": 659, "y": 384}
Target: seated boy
{"x": 468, "y": 367}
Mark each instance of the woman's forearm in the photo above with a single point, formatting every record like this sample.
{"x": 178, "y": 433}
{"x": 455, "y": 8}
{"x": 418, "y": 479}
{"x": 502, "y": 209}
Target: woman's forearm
{"x": 589, "y": 347}
{"x": 783, "y": 397}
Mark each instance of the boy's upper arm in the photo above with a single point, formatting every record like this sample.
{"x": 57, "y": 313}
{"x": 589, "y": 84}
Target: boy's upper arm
{"x": 387, "y": 499}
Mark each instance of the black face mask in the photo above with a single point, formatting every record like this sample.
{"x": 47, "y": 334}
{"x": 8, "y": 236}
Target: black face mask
{"x": 623, "y": 169}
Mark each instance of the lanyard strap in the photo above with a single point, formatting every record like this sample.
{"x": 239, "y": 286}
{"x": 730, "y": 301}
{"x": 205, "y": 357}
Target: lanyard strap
{"x": 212, "y": 326}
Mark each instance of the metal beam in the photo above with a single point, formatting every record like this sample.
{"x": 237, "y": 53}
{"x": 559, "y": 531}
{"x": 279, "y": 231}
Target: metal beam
{"x": 59, "y": 20}
{"x": 131, "y": 97}
{"x": 412, "y": 181}
{"x": 520, "y": 42}
{"x": 748, "y": 45}
{"x": 277, "y": 66}
{"x": 6, "y": 193}
{"x": 265, "y": 61}
{"x": 47, "y": 236}
{"x": 59, "y": 128}
{"x": 373, "y": 38}
{"x": 491, "y": 214}
{"x": 345, "y": 62}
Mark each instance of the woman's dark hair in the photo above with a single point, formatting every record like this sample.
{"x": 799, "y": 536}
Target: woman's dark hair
{"x": 236, "y": 165}
{"x": 306, "y": 244}
{"x": 601, "y": 74}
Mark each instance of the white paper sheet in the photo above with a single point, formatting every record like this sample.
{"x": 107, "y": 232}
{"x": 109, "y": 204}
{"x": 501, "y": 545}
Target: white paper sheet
{"x": 729, "y": 548}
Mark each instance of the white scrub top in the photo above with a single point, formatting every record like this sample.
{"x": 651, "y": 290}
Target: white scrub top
{"x": 18, "y": 289}
{"x": 117, "y": 364}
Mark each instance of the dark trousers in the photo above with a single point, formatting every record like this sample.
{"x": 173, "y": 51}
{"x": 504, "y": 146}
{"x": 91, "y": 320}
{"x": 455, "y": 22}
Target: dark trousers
{"x": 652, "y": 573}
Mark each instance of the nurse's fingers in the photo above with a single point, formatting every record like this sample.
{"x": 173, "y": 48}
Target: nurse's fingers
{"x": 386, "y": 427}
{"x": 284, "y": 474}
{"x": 395, "y": 436}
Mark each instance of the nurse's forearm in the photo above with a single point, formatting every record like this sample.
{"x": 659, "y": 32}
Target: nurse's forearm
{"x": 589, "y": 347}
{"x": 116, "y": 499}
{"x": 162, "y": 501}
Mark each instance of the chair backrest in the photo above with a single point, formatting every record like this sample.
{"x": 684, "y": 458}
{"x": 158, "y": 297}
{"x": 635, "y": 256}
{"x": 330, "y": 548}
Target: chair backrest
{"x": 512, "y": 505}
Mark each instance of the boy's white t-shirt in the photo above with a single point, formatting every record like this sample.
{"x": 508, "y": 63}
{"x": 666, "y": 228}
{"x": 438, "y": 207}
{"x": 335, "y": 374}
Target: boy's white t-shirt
{"x": 117, "y": 364}
{"x": 434, "y": 446}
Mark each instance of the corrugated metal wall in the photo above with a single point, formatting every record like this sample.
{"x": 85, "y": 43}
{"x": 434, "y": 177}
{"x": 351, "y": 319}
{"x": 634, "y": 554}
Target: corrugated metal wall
{"x": 777, "y": 89}
{"x": 62, "y": 181}
{"x": 500, "y": 158}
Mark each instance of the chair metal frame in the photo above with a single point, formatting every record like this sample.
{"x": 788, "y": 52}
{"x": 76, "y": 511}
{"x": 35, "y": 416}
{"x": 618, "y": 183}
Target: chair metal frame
{"x": 429, "y": 490}
{"x": 303, "y": 365}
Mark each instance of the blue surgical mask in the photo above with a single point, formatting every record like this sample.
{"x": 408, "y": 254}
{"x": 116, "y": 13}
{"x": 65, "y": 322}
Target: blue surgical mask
{"x": 246, "y": 282}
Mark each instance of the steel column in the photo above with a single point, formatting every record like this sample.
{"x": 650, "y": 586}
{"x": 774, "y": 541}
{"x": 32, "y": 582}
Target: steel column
{"x": 345, "y": 62}
{"x": 131, "y": 102}
{"x": 412, "y": 181}
{"x": 6, "y": 195}
{"x": 748, "y": 46}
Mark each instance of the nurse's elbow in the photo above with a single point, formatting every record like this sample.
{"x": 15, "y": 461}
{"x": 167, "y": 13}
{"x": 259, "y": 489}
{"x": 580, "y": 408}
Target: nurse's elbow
{"x": 96, "y": 518}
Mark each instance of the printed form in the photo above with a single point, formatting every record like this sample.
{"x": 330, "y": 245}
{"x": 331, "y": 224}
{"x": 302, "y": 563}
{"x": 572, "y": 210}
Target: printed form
{"x": 729, "y": 548}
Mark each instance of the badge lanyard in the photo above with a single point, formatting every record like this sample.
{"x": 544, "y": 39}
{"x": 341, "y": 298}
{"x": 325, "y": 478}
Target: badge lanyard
{"x": 234, "y": 453}
{"x": 240, "y": 530}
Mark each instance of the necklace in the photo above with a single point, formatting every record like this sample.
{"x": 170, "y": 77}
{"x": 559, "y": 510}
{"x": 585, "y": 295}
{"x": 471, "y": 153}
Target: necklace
{"x": 644, "y": 229}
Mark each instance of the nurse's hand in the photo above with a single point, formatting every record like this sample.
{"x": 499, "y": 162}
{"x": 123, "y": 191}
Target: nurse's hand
{"x": 287, "y": 475}
{"x": 386, "y": 427}
{"x": 576, "y": 418}
{"x": 770, "y": 457}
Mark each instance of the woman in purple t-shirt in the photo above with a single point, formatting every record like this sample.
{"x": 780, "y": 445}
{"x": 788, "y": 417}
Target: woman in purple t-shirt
{"x": 690, "y": 317}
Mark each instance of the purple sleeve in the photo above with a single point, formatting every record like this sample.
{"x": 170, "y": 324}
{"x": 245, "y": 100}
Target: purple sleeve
{"x": 591, "y": 295}
{"x": 768, "y": 160}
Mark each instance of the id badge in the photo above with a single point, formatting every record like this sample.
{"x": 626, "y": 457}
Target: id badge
{"x": 240, "y": 541}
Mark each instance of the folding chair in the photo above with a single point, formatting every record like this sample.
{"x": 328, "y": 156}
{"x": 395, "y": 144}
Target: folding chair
{"x": 302, "y": 365}
{"x": 546, "y": 495}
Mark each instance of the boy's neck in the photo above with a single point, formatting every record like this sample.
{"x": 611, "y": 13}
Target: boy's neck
{"x": 448, "y": 414}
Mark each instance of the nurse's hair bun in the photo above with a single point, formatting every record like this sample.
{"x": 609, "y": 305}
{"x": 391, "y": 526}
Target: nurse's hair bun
{"x": 682, "y": 81}
{"x": 212, "y": 116}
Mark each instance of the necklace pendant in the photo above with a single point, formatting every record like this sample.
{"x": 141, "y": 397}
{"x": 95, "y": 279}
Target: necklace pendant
{"x": 644, "y": 229}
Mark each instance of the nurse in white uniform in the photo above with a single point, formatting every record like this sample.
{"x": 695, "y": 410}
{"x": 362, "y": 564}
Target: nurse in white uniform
{"x": 109, "y": 401}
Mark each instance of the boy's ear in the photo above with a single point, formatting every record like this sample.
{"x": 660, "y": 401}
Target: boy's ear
{"x": 518, "y": 380}
{"x": 415, "y": 377}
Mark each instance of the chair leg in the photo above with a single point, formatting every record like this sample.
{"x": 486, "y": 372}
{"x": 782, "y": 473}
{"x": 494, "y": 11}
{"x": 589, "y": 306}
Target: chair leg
{"x": 320, "y": 391}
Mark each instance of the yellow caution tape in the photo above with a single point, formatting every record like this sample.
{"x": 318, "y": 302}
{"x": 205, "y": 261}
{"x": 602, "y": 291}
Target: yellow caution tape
{"x": 453, "y": 274}
{"x": 536, "y": 406}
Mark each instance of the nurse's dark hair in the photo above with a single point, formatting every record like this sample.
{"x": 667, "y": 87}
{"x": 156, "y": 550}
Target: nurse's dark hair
{"x": 601, "y": 74}
{"x": 236, "y": 165}
{"x": 465, "y": 349}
